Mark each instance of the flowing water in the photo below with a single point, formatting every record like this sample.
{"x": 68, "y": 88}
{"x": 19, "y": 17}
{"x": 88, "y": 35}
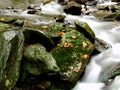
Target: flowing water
{"x": 99, "y": 69}
{"x": 101, "y": 65}
{"x": 18, "y": 3}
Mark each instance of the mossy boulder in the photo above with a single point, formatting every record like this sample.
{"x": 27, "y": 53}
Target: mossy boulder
{"x": 72, "y": 54}
{"x": 37, "y": 60}
{"x": 84, "y": 28}
{"x": 10, "y": 57}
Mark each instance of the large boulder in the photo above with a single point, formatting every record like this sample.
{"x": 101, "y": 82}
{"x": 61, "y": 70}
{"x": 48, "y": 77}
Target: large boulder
{"x": 72, "y": 54}
{"x": 11, "y": 44}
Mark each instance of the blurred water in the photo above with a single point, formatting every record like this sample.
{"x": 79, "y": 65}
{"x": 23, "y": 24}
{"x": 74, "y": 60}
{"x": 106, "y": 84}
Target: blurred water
{"x": 18, "y": 3}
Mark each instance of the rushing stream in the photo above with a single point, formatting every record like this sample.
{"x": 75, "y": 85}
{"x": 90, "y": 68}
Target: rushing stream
{"x": 101, "y": 65}
{"x": 105, "y": 62}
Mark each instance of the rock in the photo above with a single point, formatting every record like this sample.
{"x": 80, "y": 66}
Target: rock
{"x": 18, "y": 23}
{"x": 10, "y": 57}
{"x": 73, "y": 8}
{"x": 60, "y": 18}
{"x": 13, "y": 20}
{"x": 71, "y": 54}
{"x": 84, "y": 28}
{"x": 6, "y": 19}
{"x": 37, "y": 60}
{"x": 107, "y": 15}
{"x": 31, "y": 11}
{"x": 105, "y": 76}
{"x": 113, "y": 16}
{"x": 34, "y": 36}
{"x": 101, "y": 45}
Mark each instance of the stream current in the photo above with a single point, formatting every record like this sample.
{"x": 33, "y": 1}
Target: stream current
{"x": 101, "y": 65}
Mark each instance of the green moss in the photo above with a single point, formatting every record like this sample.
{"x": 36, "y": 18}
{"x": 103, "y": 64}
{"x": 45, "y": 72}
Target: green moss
{"x": 3, "y": 26}
{"x": 85, "y": 29}
{"x": 67, "y": 56}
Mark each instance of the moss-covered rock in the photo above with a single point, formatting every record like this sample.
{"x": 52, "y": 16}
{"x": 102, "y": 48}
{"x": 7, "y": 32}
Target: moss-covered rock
{"x": 37, "y": 60}
{"x": 37, "y": 64}
{"x": 3, "y": 26}
{"x": 10, "y": 57}
{"x": 72, "y": 54}
{"x": 84, "y": 28}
